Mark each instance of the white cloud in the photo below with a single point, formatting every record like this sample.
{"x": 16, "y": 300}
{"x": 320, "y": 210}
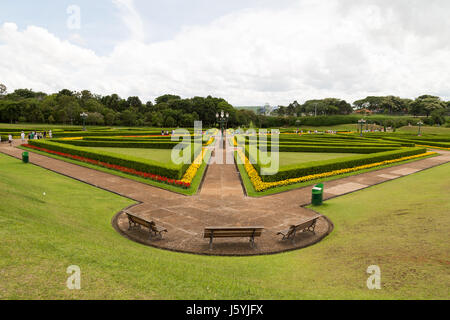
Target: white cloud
{"x": 347, "y": 49}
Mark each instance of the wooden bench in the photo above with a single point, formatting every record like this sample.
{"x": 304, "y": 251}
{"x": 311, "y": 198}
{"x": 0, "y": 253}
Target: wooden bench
{"x": 309, "y": 225}
{"x": 136, "y": 222}
{"x": 232, "y": 232}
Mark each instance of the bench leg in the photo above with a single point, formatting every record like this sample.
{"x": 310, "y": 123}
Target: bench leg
{"x": 252, "y": 242}
{"x": 293, "y": 237}
{"x": 133, "y": 225}
{"x": 211, "y": 243}
{"x": 313, "y": 228}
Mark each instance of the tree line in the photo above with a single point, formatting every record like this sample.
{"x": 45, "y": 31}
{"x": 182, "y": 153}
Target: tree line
{"x": 424, "y": 105}
{"x": 66, "y": 107}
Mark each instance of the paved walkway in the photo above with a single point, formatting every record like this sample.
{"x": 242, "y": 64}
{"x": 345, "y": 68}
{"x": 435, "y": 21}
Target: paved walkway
{"x": 221, "y": 202}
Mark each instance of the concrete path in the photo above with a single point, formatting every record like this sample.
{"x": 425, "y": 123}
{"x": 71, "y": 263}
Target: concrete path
{"x": 221, "y": 202}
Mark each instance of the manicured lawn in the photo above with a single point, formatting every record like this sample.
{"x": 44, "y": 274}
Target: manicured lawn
{"x": 160, "y": 155}
{"x": 402, "y": 226}
{"x": 289, "y": 158}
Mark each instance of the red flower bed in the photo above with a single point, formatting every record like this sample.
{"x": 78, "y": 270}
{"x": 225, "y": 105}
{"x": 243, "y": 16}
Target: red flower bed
{"x": 145, "y": 175}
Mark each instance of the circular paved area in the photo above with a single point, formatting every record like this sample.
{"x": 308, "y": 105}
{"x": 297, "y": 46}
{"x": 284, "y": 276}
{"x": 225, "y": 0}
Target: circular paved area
{"x": 221, "y": 202}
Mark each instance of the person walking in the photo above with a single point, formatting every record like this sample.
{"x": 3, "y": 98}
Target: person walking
{"x": 50, "y": 134}
{"x": 10, "y": 140}
{"x": 22, "y": 136}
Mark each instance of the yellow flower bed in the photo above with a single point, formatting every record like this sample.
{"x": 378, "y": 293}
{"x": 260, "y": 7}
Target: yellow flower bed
{"x": 261, "y": 185}
{"x": 193, "y": 168}
{"x": 69, "y": 139}
{"x": 210, "y": 141}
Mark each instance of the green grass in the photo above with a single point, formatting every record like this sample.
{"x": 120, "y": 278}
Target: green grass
{"x": 406, "y": 235}
{"x": 290, "y": 158}
{"x": 195, "y": 184}
{"x": 159, "y": 155}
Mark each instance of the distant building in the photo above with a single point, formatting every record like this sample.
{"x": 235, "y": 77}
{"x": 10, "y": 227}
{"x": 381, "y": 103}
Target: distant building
{"x": 364, "y": 111}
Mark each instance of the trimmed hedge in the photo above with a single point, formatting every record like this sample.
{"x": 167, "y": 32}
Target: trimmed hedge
{"x": 144, "y": 165}
{"x": 116, "y": 144}
{"x": 317, "y": 167}
{"x": 344, "y": 145}
{"x": 111, "y": 133}
{"x": 428, "y": 142}
{"x": 329, "y": 149}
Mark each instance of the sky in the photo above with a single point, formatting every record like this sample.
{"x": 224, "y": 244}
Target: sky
{"x": 249, "y": 52}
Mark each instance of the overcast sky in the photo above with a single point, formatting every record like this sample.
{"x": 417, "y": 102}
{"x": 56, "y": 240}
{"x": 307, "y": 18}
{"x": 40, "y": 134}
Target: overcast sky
{"x": 250, "y": 52}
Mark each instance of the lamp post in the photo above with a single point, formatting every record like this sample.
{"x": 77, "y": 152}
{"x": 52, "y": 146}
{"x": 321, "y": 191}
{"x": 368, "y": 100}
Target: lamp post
{"x": 222, "y": 119}
{"x": 84, "y": 116}
{"x": 361, "y": 123}
{"x": 420, "y": 124}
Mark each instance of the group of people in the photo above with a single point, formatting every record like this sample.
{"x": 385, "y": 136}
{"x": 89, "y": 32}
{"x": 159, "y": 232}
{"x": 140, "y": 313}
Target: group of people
{"x": 166, "y": 133}
{"x": 33, "y": 135}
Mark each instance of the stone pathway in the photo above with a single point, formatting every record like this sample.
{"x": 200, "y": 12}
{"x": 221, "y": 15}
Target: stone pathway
{"x": 221, "y": 202}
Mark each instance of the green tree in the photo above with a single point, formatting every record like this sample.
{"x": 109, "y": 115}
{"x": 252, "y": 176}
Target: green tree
{"x": 170, "y": 122}
{"x": 427, "y": 104}
{"x": 3, "y": 90}
{"x": 438, "y": 116}
{"x": 95, "y": 118}
{"x": 128, "y": 118}
{"x": 166, "y": 98}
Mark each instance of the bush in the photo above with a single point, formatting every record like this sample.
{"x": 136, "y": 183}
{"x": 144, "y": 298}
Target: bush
{"x": 116, "y": 144}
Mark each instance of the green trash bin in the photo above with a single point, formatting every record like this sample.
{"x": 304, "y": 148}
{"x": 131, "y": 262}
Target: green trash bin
{"x": 25, "y": 157}
{"x": 317, "y": 195}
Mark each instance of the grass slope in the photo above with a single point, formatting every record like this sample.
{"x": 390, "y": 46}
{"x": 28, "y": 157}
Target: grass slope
{"x": 41, "y": 236}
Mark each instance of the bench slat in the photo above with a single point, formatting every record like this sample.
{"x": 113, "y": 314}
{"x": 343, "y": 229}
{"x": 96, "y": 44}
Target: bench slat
{"x": 233, "y": 232}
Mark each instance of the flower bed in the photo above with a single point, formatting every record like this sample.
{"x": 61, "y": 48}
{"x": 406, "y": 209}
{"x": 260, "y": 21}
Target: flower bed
{"x": 260, "y": 185}
{"x": 185, "y": 183}
{"x": 191, "y": 172}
